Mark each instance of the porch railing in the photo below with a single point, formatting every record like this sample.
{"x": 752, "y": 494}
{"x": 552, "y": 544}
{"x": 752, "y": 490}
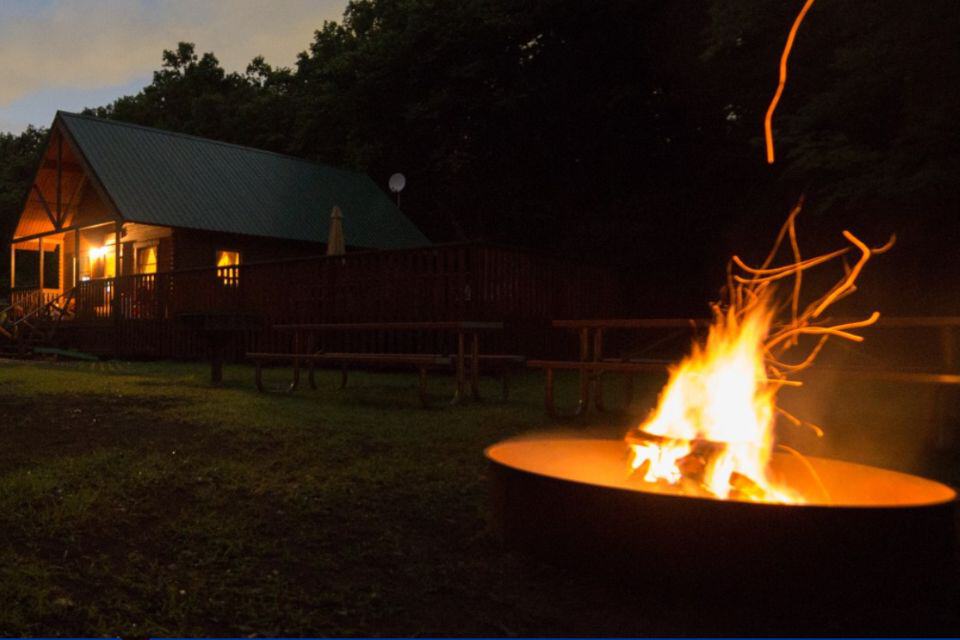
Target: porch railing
{"x": 28, "y": 301}
{"x": 439, "y": 283}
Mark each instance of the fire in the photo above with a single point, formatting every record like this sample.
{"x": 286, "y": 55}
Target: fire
{"x": 713, "y": 428}
{"x": 713, "y": 431}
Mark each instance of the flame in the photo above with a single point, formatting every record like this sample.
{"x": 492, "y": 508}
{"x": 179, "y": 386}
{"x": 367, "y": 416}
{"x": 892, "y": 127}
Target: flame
{"x": 712, "y": 432}
{"x": 715, "y": 418}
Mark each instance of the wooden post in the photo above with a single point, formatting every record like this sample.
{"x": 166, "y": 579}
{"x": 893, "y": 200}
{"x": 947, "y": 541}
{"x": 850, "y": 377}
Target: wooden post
{"x": 40, "y": 274}
{"x": 947, "y": 396}
{"x": 76, "y": 257}
{"x": 118, "y": 228}
{"x": 585, "y": 374}
{"x": 461, "y": 382}
{"x": 475, "y": 365}
{"x": 59, "y": 221}
{"x": 597, "y": 357}
{"x": 13, "y": 265}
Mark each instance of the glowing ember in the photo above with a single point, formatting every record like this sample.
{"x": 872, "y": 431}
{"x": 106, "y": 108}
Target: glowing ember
{"x": 712, "y": 432}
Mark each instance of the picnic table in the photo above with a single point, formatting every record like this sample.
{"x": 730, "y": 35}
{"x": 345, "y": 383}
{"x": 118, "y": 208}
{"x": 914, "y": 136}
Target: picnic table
{"x": 217, "y": 328}
{"x": 592, "y": 364}
{"x": 467, "y": 337}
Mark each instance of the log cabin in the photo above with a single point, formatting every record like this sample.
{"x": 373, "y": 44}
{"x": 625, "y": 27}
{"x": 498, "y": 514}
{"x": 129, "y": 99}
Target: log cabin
{"x": 126, "y": 229}
{"x": 112, "y": 199}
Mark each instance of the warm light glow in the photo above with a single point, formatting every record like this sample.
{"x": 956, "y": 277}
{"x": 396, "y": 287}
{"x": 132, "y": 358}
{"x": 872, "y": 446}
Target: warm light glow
{"x": 713, "y": 426}
{"x": 768, "y": 120}
{"x": 147, "y": 260}
{"x": 227, "y": 271}
{"x": 107, "y": 254}
{"x": 98, "y": 252}
{"x": 228, "y": 258}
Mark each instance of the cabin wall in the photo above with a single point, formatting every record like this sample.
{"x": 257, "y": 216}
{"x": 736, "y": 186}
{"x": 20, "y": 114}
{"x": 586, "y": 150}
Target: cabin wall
{"x": 194, "y": 249}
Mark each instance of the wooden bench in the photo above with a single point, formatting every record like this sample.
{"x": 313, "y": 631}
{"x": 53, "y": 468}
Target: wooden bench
{"x": 464, "y": 331}
{"x": 590, "y": 380}
{"x": 502, "y": 365}
{"x": 294, "y": 359}
{"x": 422, "y": 362}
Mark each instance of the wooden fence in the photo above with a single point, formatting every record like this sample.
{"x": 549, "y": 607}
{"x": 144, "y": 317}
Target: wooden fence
{"x": 136, "y": 316}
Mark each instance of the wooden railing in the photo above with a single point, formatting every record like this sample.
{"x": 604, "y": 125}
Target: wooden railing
{"x": 469, "y": 281}
{"x": 27, "y": 301}
{"x": 444, "y": 283}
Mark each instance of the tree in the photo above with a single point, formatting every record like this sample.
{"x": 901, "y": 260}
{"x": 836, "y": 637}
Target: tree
{"x": 19, "y": 155}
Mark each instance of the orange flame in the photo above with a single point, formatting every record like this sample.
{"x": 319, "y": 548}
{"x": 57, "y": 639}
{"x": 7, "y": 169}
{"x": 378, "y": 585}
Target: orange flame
{"x": 715, "y": 418}
{"x": 767, "y": 122}
{"x": 712, "y": 432}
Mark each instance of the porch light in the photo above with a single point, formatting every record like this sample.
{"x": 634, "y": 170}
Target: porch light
{"x": 98, "y": 252}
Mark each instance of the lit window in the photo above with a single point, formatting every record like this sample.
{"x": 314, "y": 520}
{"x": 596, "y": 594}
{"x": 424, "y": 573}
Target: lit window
{"x": 147, "y": 260}
{"x": 228, "y": 267}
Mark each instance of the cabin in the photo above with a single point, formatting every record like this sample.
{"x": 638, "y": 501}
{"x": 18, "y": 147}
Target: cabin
{"x": 112, "y": 199}
{"x": 126, "y": 228}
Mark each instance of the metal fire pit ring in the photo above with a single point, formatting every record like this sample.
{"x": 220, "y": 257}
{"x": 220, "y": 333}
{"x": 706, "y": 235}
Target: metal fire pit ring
{"x": 569, "y": 501}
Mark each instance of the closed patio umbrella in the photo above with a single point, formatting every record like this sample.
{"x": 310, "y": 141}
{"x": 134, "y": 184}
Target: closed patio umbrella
{"x": 336, "y": 246}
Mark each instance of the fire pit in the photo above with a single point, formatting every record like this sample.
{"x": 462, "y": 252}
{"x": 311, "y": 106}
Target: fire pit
{"x": 703, "y": 496}
{"x": 574, "y": 502}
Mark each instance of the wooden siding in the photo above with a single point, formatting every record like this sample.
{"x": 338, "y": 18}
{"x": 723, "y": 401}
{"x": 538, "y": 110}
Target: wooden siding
{"x": 194, "y": 249}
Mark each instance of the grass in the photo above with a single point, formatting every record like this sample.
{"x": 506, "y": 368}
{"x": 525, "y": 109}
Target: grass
{"x": 135, "y": 500}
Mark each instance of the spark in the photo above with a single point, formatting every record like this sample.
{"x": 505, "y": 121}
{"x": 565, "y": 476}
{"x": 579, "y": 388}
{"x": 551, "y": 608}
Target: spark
{"x": 767, "y": 122}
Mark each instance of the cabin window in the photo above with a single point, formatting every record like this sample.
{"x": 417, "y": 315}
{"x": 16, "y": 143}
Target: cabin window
{"x": 228, "y": 267}
{"x": 147, "y": 259}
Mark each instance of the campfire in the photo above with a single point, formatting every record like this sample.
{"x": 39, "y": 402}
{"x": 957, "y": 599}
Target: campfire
{"x": 713, "y": 430}
{"x": 703, "y": 493}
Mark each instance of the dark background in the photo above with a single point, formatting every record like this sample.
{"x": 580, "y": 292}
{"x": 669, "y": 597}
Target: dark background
{"x": 622, "y": 132}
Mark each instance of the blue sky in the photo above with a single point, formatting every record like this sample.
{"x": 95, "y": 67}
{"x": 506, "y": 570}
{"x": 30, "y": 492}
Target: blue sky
{"x": 70, "y": 54}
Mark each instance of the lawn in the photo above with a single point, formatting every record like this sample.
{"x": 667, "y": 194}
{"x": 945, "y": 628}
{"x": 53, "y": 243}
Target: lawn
{"x": 135, "y": 500}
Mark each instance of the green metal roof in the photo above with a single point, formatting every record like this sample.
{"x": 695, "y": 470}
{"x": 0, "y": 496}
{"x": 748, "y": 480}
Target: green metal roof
{"x": 171, "y": 179}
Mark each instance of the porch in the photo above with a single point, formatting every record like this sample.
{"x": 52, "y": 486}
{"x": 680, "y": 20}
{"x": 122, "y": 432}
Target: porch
{"x": 134, "y": 314}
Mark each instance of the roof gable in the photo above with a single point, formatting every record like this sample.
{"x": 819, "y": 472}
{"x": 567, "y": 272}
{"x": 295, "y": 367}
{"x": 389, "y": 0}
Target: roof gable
{"x": 164, "y": 178}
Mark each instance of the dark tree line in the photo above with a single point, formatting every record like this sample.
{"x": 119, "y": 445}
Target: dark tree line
{"x": 625, "y": 131}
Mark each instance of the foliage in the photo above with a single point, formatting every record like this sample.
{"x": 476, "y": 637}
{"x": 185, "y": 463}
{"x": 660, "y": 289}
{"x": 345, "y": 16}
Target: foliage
{"x": 626, "y": 131}
{"x": 870, "y": 109}
{"x": 19, "y": 155}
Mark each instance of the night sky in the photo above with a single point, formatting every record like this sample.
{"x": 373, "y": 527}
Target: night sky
{"x": 95, "y": 51}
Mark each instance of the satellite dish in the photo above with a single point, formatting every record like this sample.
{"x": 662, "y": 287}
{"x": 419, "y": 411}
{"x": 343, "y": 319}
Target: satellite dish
{"x": 397, "y": 182}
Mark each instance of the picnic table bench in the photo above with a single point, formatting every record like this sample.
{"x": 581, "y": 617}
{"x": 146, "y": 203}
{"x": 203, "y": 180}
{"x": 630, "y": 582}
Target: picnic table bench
{"x": 466, "y": 332}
